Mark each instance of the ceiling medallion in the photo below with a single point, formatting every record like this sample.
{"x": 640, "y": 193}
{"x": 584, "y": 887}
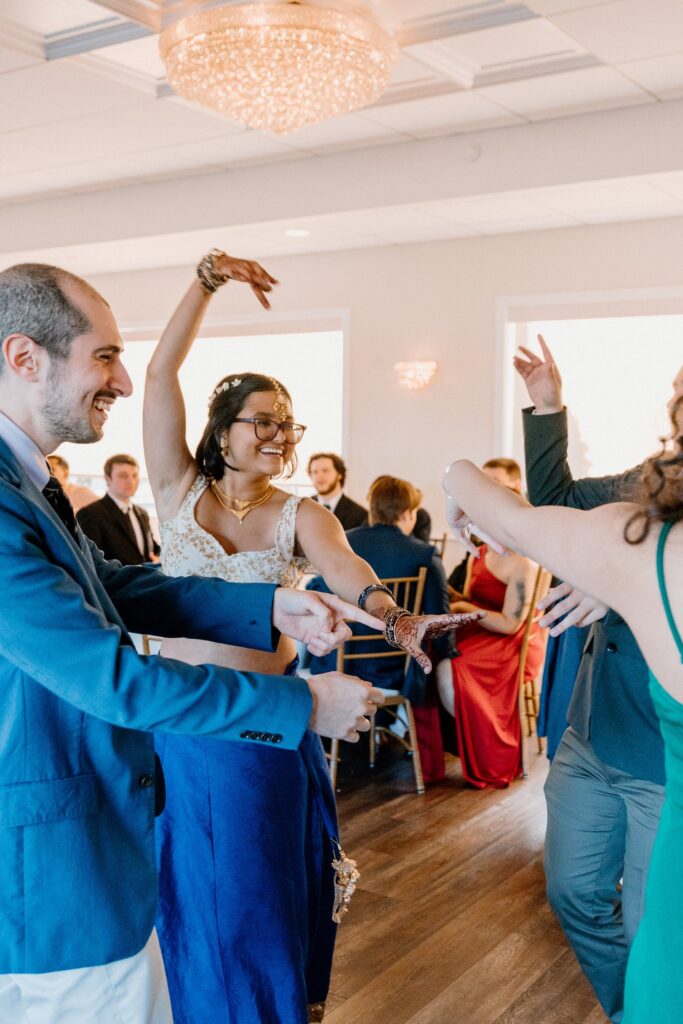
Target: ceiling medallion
{"x": 278, "y": 66}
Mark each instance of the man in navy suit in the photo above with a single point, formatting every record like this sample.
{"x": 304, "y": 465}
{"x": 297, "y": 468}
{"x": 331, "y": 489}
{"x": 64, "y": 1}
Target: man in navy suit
{"x": 79, "y": 705}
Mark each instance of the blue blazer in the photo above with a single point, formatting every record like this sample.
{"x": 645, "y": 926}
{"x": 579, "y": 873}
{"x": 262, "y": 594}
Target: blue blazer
{"x": 78, "y": 706}
{"x": 391, "y": 553}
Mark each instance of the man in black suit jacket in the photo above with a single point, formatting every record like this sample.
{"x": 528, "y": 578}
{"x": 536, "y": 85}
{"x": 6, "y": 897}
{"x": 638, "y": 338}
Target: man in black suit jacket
{"x": 328, "y": 473}
{"x": 118, "y": 527}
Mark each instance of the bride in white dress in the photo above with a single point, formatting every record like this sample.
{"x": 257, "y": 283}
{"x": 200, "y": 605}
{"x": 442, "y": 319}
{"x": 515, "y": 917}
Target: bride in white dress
{"x": 249, "y": 832}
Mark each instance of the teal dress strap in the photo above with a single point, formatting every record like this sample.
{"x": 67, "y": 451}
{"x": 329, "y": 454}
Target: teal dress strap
{"x": 666, "y": 530}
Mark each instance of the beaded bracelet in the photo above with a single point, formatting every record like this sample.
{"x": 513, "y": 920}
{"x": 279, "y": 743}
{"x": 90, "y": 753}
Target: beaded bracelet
{"x": 390, "y": 619}
{"x": 210, "y": 279}
{"x": 371, "y": 589}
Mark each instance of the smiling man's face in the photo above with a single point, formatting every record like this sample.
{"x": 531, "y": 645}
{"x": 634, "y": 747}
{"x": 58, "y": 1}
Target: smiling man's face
{"x": 79, "y": 390}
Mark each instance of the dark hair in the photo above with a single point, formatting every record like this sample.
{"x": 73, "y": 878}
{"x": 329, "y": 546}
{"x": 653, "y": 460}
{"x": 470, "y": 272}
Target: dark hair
{"x": 115, "y": 460}
{"x": 389, "y": 497}
{"x": 508, "y": 466}
{"x": 661, "y": 484}
{"x": 225, "y": 405}
{"x": 32, "y": 302}
{"x": 336, "y": 460}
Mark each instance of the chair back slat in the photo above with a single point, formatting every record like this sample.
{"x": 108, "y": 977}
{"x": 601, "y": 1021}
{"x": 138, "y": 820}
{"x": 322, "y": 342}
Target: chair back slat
{"x": 526, "y": 699}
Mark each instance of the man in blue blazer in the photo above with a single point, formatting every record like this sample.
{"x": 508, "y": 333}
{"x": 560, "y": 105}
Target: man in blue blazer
{"x": 78, "y": 705}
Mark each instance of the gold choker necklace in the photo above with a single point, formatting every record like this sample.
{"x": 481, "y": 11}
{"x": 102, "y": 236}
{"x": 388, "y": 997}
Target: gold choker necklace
{"x": 243, "y": 508}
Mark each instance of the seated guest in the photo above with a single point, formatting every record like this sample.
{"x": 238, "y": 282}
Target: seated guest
{"x": 480, "y": 688}
{"x": 78, "y": 496}
{"x": 328, "y": 474}
{"x": 388, "y": 546}
{"x": 423, "y": 521}
{"x": 119, "y": 528}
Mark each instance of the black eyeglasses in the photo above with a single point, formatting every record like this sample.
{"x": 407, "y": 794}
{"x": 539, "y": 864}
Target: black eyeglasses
{"x": 267, "y": 430}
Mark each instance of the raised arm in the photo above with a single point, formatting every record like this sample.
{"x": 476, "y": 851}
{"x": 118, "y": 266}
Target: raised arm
{"x": 169, "y": 461}
{"x": 549, "y": 477}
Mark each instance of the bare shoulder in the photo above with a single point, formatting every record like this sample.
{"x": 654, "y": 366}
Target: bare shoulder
{"x": 311, "y": 511}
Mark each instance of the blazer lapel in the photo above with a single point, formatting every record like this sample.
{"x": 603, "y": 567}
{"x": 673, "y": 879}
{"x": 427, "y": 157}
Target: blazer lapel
{"x": 74, "y": 555}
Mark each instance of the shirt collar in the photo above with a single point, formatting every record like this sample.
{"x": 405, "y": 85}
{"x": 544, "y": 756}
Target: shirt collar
{"x": 123, "y": 505}
{"x": 331, "y": 502}
{"x": 26, "y": 451}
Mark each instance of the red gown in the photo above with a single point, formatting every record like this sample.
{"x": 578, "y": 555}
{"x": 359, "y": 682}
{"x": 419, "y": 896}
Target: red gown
{"x": 485, "y": 678}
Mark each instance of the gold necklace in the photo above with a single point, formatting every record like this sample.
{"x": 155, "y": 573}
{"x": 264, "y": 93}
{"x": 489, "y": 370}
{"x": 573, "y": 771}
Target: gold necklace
{"x": 244, "y": 507}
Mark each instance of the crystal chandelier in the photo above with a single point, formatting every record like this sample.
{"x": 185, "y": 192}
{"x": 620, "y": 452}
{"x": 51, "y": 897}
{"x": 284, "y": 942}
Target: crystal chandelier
{"x": 278, "y": 66}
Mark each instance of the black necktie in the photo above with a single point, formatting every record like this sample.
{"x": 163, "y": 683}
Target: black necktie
{"x": 54, "y": 493}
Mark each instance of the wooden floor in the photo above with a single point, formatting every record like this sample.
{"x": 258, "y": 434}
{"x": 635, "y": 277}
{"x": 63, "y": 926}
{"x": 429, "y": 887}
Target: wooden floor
{"x": 449, "y": 924}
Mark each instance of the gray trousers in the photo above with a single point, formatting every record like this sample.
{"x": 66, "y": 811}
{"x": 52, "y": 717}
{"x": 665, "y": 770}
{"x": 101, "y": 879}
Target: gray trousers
{"x": 601, "y": 827}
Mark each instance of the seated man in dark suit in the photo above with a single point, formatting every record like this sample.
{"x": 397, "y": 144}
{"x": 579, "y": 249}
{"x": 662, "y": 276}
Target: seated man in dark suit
{"x": 119, "y": 528}
{"x": 388, "y": 546}
{"x": 328, "y": 473}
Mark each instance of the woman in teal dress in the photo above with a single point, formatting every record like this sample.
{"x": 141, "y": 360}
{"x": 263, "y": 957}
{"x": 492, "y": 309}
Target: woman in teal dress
{"x": 629, "y": 556}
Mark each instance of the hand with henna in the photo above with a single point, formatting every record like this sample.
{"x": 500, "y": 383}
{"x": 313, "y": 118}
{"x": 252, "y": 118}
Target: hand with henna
{"x": 248, "y": 271}
{"x": 412, "y": 630}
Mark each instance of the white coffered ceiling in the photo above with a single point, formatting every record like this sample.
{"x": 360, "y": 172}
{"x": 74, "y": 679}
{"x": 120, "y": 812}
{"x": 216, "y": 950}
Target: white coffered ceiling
{"x": 84, "y": 106}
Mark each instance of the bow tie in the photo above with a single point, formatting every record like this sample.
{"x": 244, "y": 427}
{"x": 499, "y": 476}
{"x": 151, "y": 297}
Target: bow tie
{"x": 55, "y": 495}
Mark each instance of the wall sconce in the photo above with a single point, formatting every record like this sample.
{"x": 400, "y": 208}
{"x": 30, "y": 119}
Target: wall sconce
{"x": 415, "y": 374}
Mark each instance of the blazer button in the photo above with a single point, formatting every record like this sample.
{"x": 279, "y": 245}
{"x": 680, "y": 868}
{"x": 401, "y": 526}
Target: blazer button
{"x": 145, "y": 781}
{"x": 276, "y": 737}
{"x": 611, "y": 648}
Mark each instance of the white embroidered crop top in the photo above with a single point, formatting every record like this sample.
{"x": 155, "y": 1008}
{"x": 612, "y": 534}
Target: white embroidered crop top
{"x": 189, "y": 550}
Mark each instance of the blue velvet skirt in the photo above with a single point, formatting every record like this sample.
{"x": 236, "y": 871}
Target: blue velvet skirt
{"x": 246, "y": 884}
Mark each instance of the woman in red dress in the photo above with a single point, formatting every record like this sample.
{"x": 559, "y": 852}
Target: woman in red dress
{"x": 480, "y": 687}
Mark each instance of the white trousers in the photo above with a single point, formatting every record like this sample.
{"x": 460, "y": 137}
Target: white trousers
{"x": 130, "y": 991}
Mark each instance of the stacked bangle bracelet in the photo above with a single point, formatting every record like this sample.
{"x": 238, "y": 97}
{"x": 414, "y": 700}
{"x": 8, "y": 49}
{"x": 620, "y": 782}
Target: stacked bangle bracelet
{"x": 390, "y": 619}
{"x": 209, "y": 276}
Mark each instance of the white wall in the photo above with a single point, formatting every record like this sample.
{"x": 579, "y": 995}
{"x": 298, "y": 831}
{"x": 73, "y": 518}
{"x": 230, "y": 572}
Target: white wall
{"x": 434, "y": 300}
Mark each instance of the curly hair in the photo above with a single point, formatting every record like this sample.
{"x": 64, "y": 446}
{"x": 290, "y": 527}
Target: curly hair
{"x": 661, "y": 484}
{"x": 225, "y": 405}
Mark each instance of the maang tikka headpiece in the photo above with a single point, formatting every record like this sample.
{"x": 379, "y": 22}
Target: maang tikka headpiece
{"x": 280, "y": 404}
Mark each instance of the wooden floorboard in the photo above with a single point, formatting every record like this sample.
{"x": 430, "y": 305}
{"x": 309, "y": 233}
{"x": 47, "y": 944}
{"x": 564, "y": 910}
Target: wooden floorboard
{"x": 449, "y": 924}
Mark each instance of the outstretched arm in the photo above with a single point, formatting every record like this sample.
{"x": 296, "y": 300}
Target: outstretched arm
{"x": 325, "y": 545}
{"x": 169, "y": 460}
{"x": 584, "y": 548}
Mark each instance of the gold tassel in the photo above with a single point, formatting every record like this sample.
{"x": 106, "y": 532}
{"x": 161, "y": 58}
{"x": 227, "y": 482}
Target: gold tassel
{"x": 346, "y": 879}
